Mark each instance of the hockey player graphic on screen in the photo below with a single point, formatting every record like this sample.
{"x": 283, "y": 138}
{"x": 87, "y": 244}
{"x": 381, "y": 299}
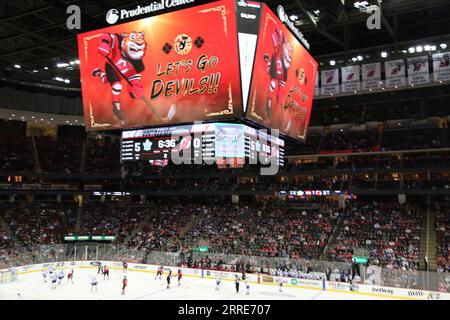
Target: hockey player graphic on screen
{"x": 126, "y": 52}
{"x": 278, "y": 64}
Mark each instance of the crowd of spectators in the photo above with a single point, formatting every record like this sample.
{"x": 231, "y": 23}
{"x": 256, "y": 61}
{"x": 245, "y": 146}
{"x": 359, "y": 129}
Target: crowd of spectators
{"x": 59, "y": 155}
{"x": 350, "y": 141}
{"x": 389, "y": 231}
{"x": 222, "y": 227}
{"x": 5, "y": 239}
{"x": 443, "y": 237}
{"x": 102, "y": 156}
{"x": 408, "y": 139}
{"x": 163, "y": 226}
{"x": 100, "y": 219}
{"x": 40, "y": 222}
{"x": 15, "y": 153}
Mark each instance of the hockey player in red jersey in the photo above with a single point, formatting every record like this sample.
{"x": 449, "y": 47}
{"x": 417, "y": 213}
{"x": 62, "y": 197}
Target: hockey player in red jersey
{"x": 159, "y": 272}
{"x": 180, "y": 275}
{"x": 126, "y": 52}
{"x": 70, "y": 276}
{"x": 277, "y": 68}
{"x": 124, "y": 284}
{"x": 105, "y": 272}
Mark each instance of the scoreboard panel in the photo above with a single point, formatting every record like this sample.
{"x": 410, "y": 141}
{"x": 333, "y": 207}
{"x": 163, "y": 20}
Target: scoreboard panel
{"x": 212, "y": 142}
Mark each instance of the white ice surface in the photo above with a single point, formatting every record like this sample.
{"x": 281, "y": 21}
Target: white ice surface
{"x": 143, "y": 286}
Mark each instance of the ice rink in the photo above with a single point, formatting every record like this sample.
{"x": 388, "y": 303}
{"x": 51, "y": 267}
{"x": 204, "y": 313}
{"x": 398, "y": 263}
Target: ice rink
{"x": 143, "y": 286}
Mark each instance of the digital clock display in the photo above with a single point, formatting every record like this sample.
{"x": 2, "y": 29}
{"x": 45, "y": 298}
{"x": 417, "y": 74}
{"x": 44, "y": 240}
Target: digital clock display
{"x": 216, "y": 142}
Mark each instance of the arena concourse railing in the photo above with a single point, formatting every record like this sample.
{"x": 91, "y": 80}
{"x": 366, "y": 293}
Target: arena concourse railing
{"x": 373, "y": 275}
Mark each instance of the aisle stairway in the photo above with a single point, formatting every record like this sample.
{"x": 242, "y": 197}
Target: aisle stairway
{"x": 428, "y": 240}
{"x": 334, "y": 234}
{"x": 78, "y": 219}
{"x": 138, "y": 229}
{"x": 187, "y": 227}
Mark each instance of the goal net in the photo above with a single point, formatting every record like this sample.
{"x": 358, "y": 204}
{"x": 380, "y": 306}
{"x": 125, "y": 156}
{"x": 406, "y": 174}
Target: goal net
{"x": 6, "y": 276}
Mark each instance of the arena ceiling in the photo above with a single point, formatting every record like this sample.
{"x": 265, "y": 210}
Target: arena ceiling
{"x": 34, "y": 37}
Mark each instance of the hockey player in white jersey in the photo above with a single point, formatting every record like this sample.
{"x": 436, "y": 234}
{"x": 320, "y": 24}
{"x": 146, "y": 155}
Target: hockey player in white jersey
{"x": 51, "y": 269}
{"x": 54, "y": 278}
{"x": 44, "y": 275}
{"x": 280, "y": 283}
{"x": 247, "y": 287}
{"x": 13, "y": 272}
{"x": 94, "y": 283}
{"x": 60, "y": 276}
{"x": 218, "y": 280}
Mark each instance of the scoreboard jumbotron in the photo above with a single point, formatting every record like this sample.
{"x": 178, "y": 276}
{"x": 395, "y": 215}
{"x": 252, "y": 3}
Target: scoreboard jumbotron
{"x": 199, "y": 143}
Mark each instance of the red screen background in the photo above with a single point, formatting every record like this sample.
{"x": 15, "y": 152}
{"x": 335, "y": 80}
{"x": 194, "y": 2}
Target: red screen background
{"x": 215, "y": 23}
{"x": 302, "y": 94}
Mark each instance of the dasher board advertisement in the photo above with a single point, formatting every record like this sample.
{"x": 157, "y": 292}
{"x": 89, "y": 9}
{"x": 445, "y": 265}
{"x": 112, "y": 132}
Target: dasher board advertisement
{"x": 176, "y": 67}
{"x": 283, "y": 79}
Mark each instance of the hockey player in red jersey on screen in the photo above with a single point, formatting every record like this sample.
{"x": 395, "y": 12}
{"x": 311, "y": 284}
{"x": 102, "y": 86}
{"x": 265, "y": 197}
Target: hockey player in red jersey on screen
{"x": 126, "y": 52}
{"x": 277, "y": 68}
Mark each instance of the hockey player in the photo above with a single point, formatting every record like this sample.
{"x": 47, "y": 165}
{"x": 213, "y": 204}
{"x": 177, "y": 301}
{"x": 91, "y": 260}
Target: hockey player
{"x": 247, "y": 287}
{"x": 126, "y": 52}
{"x": 180, "y": 275}
{"x": 277, "y": 68}
{"x": 124, "y": 284}
{"x": 94, "y": 283}
{"x": 54, "y": 278}
{"x": 100, "y": 269}
{"x": 159, "y": 272}
{"x": 60, "y": 276}
{"x": 280, "y": 283}
{"x": 236, "y": 282}
{"x": 45, "y": 274}
{"x": 13, "y": 272}
{"x": 70, "y": 276}
{"x": 125, "y": 266}
{"x": 218, "y": 280}
{"x": 51, "y": 269}
{"x": 168, "y": 279}
{"x": 105, "y": 272}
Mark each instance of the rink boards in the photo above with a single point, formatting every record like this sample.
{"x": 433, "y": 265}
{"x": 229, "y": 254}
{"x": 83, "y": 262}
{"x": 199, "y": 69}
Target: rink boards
{"x": 331, "y": 286}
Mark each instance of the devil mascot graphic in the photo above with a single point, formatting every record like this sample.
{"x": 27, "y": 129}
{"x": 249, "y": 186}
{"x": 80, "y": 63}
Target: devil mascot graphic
{"x": 126, "y": 52}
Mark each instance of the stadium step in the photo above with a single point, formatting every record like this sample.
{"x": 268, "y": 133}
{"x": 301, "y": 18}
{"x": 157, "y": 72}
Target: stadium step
{"x": 145, "y": 221}
{"x": 188, "y": 226}
{"x": 333, "y": 236}
{"x": 78, "y": 219}
{"x": 427, "y": 245}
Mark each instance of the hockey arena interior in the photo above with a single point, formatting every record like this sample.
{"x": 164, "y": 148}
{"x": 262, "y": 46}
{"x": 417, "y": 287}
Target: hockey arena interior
{"x": 224, "y": 150}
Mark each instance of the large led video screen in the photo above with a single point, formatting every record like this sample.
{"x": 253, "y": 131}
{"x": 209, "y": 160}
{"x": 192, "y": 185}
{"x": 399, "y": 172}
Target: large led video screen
{"x": 176, "y": 67}
{"x": 283, "y": 79}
